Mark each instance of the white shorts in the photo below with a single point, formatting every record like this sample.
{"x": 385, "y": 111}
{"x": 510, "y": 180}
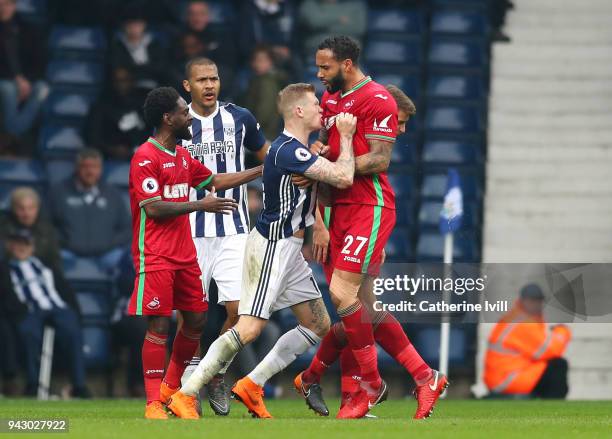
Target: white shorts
{"x": 221, "y": 259}
{"x": 275, "y": 276}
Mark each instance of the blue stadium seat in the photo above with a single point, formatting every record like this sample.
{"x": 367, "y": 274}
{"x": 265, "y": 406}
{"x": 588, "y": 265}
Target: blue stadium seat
{"x": 21, "y": 171}
{"x": 77, "y": 42}
{"x": 430, "y": 247}
{"x": 32, "y": 10}
{"x": 459, "y": 119}
{"x": 405, "y": 151}
{"x": 95, "y": 307}
{"x": 404, "y": 212}
{"x": 409, "y": 84}
{"x": 75, "y": 73}
{"x": 393, "y": 52}
{"x": 429, "y": 215}
{"x": 58, "y": 170}
{"x": 457, "y": 22}
{"x": 456, "y": 53}
{"x": 434, "y": 186}
{"x": 401, "y": 21}
{"x": 66, "y": 105}
{"x": 86, "y": 275}
{"x": 117, "y": 173}
{"x": 427, "y": 342}
{"x": 451, "y": 153}
{"x": 404, "y": 186}
{"x": 459, "y": 87}
{"x": 96, "y": 346}
{"x": 61, "y": 140}
{"x": 399, "y": 248}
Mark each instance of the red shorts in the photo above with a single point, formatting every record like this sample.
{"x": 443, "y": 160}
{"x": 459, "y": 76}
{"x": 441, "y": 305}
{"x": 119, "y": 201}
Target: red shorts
{"x": 157, "y": 293}
{"x": 357, "y": 236}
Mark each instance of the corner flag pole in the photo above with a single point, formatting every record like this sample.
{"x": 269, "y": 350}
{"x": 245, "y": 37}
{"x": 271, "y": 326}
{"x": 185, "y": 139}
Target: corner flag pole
{"x": 451, "y": 217}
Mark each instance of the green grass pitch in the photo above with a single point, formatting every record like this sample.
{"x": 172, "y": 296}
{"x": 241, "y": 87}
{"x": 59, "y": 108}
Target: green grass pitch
{"x": 453, "y": 419}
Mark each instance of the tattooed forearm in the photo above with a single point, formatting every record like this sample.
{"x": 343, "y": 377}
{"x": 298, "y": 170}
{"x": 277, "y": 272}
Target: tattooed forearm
{"x": 339, "y": 173}
{"x": 320, "y": 318}
{"x": 375, "y": 161}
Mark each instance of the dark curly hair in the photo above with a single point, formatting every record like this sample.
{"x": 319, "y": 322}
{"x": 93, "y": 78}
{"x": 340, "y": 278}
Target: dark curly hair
{"x": 159, "y": 101}
{"x": 342, "y": 47}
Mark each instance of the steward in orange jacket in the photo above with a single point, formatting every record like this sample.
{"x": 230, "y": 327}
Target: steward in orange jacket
{"x": 524, "y": 354}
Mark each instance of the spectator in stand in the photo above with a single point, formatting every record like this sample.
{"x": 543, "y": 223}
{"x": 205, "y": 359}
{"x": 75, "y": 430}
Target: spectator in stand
{"x": 218, "y": 45}
{"x": 8, "y": 354}
{"x": 271, "y": 23}
{"x": 25, "y": 214}
{"x": 91, "y": 217}
{"x": 189, "y": 47}
{"x": 262, "y": 91}
{"x": 115, "y": 124}
{"x": 22, "y": 67}
{"x": 138, "y": 50}
{"x": 320, "y": 19}
{"x": 525, "y": 356}
{"x": 34, "y": 294}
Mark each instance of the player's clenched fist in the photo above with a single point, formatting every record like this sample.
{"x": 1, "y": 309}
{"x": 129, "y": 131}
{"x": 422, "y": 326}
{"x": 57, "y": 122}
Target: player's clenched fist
{"x": 210, "y": 203}
{"x": 346, "y": 124}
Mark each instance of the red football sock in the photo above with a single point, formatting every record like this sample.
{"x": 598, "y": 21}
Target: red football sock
{"x": 391, "y": 336}
{"x": 153, "y": 361}
{"x": 328, "y": 352}
{"x": 358, "y": 329}
{"x": 185, "y": 344}
{"x": 350, "y": 372}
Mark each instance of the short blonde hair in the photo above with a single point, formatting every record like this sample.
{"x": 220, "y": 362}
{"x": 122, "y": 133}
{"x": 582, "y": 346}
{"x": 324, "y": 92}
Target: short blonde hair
{"x": 404, "y": 103}
{"x": 23, "y": 192}
{"x": 290, "y": 95}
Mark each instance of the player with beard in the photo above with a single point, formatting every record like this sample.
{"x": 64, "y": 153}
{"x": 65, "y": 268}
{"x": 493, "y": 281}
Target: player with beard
{"x": 167, "y": 272}
{"x": 360, "y": 221}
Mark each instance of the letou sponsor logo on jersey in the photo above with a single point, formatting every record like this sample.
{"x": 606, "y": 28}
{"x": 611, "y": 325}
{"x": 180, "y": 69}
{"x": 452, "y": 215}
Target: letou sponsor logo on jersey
{"x": 382, "y": 126}
{"x": 329, "y": 122}
{"x": 176, "y": 190}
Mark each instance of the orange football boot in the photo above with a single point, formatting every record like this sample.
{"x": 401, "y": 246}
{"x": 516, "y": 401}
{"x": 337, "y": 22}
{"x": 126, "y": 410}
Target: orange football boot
{"x": 184, "y": 406}
{"x": 155, "y": 410}
{"x": 251, "y": 395}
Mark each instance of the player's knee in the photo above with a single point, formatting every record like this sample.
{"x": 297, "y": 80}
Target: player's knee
{"x": 195, "y": 322}
{"x": 343, "y": 291}
{"x": 249, "y": 328}
{"x": 158, "y": 324}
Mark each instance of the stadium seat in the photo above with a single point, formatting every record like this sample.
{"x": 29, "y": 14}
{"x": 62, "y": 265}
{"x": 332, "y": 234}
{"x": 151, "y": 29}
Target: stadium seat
{"x": 61, "y": 140}
{"x": 460, "y": 119}
{"x": 434, "y": 186}
{"x": 451, "y": 153}
{"x": 399, "y": 21}
{"x": 404, "y": 212}
{"x": 65, "y": 105}
{"x": 21, "y": 171}
{"x": 456, "y": 87}
{"x": 429, "y": 215}
{"x": 456, "y": 53}
{"x": 96, "y": 346}
{"x": 75, "y": 73}
{"x": 76, "y": 42}
{"x": 117, "y": 173}
{"x": 457, "y": 22}
{"x": 95, "y": 307}
{"x": 427, "y": 343}
{"x": 404, "y": 186}
{"x": 404, "y": 152}
{"x": 399, "y": 247}
{"x": 32, "y": 10}
{"x": 430, "y": 247}
{"x": 58, "y": 170}
{"x": 409, "y": 84}
{"x": 393, "y": 51}
{"x": 85, "y": 274}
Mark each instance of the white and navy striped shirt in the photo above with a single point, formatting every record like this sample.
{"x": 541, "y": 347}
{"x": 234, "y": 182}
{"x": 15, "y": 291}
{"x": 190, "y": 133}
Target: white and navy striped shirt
{"x": 218, "y": 142}
{"x": 287, "y": 208}
{"x": 34, "y": 286}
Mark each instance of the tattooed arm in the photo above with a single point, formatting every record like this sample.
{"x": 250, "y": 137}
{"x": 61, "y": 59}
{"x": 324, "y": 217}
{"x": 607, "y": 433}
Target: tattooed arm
{"x": 375, "y": 161}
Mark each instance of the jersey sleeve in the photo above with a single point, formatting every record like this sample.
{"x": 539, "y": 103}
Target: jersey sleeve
{"x": 381, "y": 117}
{"x": 294, "y": 158}
{"x": 144, "y": 174}
{"x": 201, "y": 176}
{"x": 254, "y": 138}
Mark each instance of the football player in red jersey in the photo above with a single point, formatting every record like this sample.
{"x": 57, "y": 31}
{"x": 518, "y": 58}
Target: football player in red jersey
{"x": 360, "y": 222}
{"x": 167, "y": 272}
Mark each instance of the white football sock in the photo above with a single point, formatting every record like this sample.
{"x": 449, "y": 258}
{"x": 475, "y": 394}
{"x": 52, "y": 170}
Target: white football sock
{"x": 220, "y": 352}
{"x": 223, "y": 370}
{"x": 189, "y": 369}
{"x": 287, "y": 348}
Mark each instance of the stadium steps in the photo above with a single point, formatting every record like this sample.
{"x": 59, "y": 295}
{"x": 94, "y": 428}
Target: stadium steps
{"x": 549, "y": 170}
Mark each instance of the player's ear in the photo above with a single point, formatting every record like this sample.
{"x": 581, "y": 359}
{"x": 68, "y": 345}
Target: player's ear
{"x": 186, "y": 86}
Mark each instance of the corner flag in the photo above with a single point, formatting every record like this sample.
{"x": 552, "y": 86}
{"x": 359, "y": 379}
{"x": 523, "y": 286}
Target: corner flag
{"x": 451, "y": 214}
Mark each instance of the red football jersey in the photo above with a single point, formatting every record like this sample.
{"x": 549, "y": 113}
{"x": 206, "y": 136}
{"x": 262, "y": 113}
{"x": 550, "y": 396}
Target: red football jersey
{"x": 157, "y": 173}
{"x": 376, "y": 113}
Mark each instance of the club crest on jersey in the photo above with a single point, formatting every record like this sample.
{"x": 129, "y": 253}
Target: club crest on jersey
{"x": 349, "y": 104}
{"x": 302, "y": 154}
{"x": 229, "y": 131}
{"x": 153, "y": 304}
{"x": 176, "y": 190}
{"x": 150, "y": 185}
{"x": 382, "y": 126}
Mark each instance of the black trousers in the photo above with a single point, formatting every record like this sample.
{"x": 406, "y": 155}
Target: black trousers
{"x": 553, "y": 383}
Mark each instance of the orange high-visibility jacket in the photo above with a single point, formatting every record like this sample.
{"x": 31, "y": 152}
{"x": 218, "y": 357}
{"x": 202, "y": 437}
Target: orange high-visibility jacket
{"x": 519, "y": 347}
